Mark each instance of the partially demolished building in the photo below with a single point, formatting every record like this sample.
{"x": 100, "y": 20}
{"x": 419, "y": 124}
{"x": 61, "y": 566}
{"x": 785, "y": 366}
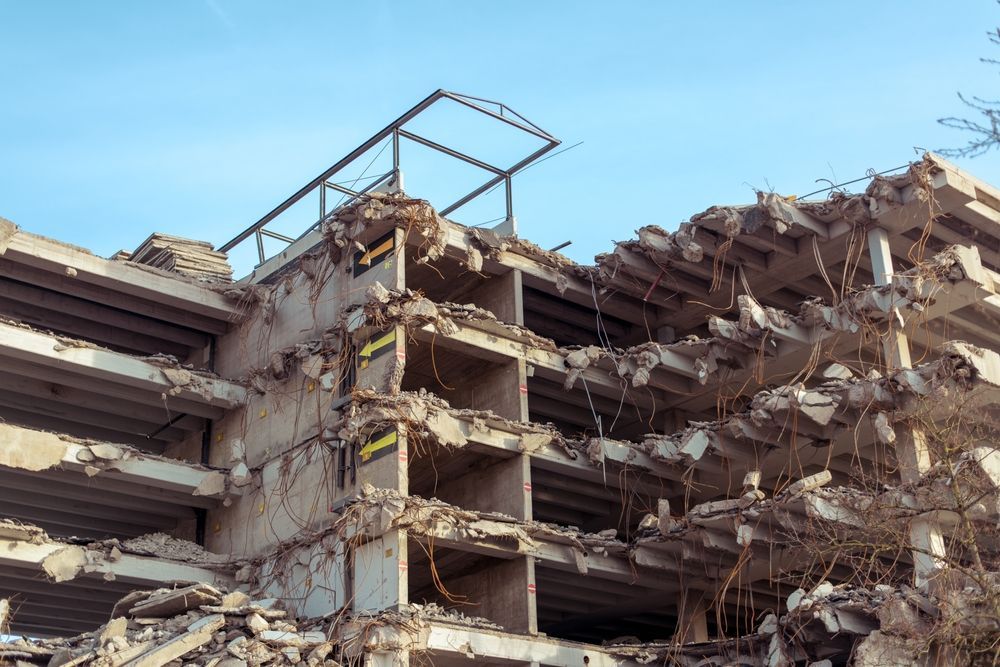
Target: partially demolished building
{"x": 765, "y": 438}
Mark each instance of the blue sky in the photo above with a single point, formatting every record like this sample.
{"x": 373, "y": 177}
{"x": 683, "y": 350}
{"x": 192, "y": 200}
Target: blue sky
{"x": 195, "y": 117}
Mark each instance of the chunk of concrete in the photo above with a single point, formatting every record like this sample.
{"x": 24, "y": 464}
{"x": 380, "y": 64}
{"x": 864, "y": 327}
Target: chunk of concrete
{"x": 106, "y": 452}
{"x": 882, "y": 650}
{"x": 818, "y": 406}
{"x": 239, "y": 475}
{"x": 810, "y": 483}
{"x": 65, "y": 564}
{"x": 446, "y": 429}
{"x": 114, "y": 628}
{"x": 744, "y": 535}
{"x": 30, "y": 450}
{"x": 284, "y": 638}
{"x": 175, "y": 602}
{"x": 837, "y": 371}
{"x": 234, "y": 599}
{"x": 211, "y": 485}
{"x": 777, "y": 653}
{"x": 182, "y": 644}
{"x": 257, "y": 623}
{"x": 663, "y": 520}
{"x": 769, "y": 625}
{"x": 795, "y": 599}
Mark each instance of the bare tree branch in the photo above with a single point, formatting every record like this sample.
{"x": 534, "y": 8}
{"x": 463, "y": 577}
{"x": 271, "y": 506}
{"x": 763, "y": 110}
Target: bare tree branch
{"x": 984, "y": 126}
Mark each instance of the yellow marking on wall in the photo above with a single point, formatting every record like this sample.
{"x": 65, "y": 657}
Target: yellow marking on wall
{"x": 374, "y": 345}
{"x": 373, "y": 446}
{"x": 366, "y": 259}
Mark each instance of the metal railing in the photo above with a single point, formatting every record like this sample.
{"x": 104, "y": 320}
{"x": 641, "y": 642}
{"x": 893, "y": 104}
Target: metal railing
{"x": 396, "y": 132}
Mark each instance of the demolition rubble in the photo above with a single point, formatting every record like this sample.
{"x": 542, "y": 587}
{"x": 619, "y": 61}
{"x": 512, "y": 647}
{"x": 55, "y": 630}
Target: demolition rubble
{"x": 765, "y": 438}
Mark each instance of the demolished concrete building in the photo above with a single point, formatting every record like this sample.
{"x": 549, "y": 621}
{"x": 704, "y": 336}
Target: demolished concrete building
{"x": 402, "y": 438}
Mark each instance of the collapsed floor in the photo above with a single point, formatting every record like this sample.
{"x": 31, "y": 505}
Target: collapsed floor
{"x": 763, "y": 439}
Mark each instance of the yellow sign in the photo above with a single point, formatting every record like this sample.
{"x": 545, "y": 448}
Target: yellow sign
{"x": 374, "y": 346}
{"x": 373, "y": 446}
{"x": 366, "y": 259}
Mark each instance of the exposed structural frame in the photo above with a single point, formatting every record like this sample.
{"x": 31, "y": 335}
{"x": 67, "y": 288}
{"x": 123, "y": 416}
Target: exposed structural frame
{"x": 396, "y": 131}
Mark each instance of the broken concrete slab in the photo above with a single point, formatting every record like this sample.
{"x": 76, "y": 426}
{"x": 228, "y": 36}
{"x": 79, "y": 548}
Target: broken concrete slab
{"x": 177, "y": 601}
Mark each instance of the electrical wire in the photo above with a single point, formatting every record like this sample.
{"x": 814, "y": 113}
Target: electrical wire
{"x": 355, "y": 181}
{"x": 856, "y": 180}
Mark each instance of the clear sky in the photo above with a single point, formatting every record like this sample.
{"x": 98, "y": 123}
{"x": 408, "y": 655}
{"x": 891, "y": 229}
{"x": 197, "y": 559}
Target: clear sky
{"x": 196, "y": 117}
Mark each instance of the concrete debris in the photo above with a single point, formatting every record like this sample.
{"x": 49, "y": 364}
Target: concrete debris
{"x": 809, "y": 483}
{"x": 16, "y": 530}
{"x": 312, "y": 358}
{"x": 885, "y": 650}
{"x": 180, "y": 378}
{"x": 960, "y": 369}
{"x": 66, "y": 563}
{"x": 196, "y": 259}
{"x": 190, "y": 625}
{"x": 35, "y": 451}
{"x": 578, "y": 361}
{"x": 65, "y": 560}
{"x": 163, "y": 604}
{"x": 737, "y": 344}
{"x": 429, "y": 419}
{"x": 239, "y": 475}
{"x": 410, "y": 309}
{"x": 821, "y": 626}
{"x": 165, "y": 546}
{"x": 715, "y": 229}
{"x": 484, "y": 243}
{"x": 732, "y": 439}
{"x": 414, "y": 216}
{"x": 413, "y": 616}
{"x": 425, "y": 417}
{"x": 837, "y": 371}
{"x": 378, "y": 510}
{"x": 257, "y": 298}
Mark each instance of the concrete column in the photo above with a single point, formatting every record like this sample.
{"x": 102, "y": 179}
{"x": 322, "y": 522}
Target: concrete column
{"x": 912, "y": 450}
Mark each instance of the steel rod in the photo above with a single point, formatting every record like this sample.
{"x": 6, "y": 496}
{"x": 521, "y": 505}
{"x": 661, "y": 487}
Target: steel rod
{"x": 350, "y": 157}
{"x": 448, "y": 151}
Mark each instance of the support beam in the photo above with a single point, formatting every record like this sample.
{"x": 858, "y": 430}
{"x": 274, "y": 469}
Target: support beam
{"x": 115, "y": 338}
{"x": 35, "y": 347}
{"x": 912, "y": 449}
{"x": 31, "y": 450}
{"x": 105, "y": 317}
{"x": 21, "y": 555}
{"x": 692, "y": 617}
{"x": 120, "y": 278}
{"x": 490, "y": 645}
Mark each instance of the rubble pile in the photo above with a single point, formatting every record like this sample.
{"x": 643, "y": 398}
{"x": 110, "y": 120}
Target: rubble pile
{"x": 377, "y": 510}
{"x": 772, "y": 212}
{"x": 411, "y": 309}
{"x": 414, "y": 613}
{"x": 194, "y": 625}
{"x": 416, "y": 216}
{"x": 195, "y": 259}
{"x": 818, "y": 628}
{"x": 766, "y": 437}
